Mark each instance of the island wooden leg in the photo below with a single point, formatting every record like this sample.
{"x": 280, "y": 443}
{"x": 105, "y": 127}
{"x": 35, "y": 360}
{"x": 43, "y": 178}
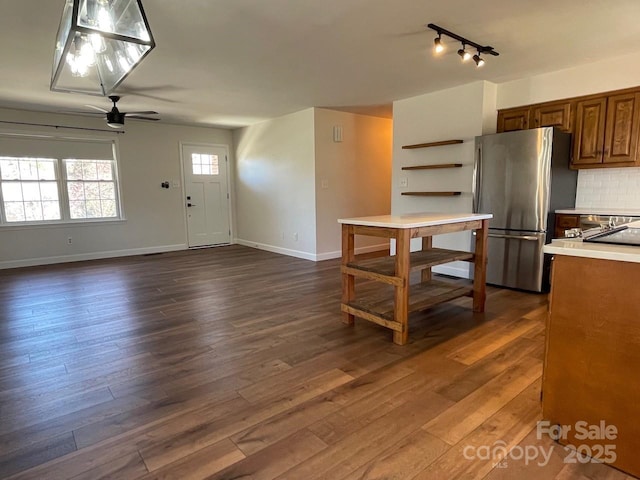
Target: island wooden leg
{"x": 427, "y": 244}
{"x": 348, "y": 281}
{"x": 480, "y": 268}
{"x": 401, "y": 304}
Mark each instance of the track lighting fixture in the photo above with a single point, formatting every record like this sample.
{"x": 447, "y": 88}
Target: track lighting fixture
{"x": 464, "y": 54}
{"x": 437, "y": 44}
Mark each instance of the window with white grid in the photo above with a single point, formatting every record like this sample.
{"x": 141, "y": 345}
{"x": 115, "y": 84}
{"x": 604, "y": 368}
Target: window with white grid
{"x": 47, "y": 179}
{"x": 29, "y": 189}
{"x": 91, "y": 189}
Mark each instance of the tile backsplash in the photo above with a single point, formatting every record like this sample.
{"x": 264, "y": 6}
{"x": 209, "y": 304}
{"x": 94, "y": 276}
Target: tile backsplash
{"x": 609, "y": 188}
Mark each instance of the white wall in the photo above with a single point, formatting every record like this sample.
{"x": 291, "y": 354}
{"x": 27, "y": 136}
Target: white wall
{"x": 353, "y": 177}
{"x": 611, "y": 74}
{"x": 155, "y": 221}
{"x": 457, "y": 113}
{"x": 275, "y": 185}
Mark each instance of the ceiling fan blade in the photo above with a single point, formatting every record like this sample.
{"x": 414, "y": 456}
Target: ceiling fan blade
{"x": 143, "y": 118}
{"x": 148, "y": 112}
{"x": 78, "y": 112}
{"x": 97, "y": 108}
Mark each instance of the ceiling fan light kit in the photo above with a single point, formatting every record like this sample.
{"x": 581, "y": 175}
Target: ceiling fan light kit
{"x": 463, "y": 52}
{"x": 99, "y": 42}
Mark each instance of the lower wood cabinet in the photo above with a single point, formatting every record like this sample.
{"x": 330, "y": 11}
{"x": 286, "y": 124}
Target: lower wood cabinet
{"x": 564, "y": 222}
{"x": 592, "y": 358}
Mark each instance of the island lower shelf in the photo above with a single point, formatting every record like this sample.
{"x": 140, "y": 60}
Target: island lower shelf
{"x": 378, "y": 306}
{"x": 383, "y": 269}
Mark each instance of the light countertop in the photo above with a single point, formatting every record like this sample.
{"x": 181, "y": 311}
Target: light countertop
{"x": 577, "y": 248}
{"x": 623, "y": 212}
{"x": 415, "y": 220}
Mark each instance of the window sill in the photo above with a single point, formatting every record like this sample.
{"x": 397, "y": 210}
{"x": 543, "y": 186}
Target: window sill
{"x": 62, "y": 224}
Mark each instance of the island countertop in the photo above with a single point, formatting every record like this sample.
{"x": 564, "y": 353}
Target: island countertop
{"x": 578, "y": 248}
{"x": 416, "y": 220}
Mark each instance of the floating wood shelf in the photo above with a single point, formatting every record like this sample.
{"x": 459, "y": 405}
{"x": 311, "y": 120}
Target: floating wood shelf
{"x": 432, "y": 144}
{"x": 430, "y": 167}
{"x": 432, "y": 194}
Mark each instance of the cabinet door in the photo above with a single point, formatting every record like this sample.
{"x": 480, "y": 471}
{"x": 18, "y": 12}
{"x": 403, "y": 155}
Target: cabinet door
{"x": 588, "y": 142}
{"x": 552, "y": 115}
{"x": 513, "y": 119}
{"x": 565, "y": 222}
{"x": 621, "y": 133}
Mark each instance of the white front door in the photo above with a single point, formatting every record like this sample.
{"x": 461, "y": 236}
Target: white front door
{"x": 206, "y": 194}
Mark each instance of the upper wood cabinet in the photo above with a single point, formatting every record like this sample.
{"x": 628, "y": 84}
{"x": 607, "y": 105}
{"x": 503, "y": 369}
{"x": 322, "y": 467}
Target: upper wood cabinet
{"x": 554, "y": 114}
{"x": 607, "y": 131}
{"x": 621, "y": 129}
{"x": 605, "y": 127}
{"x": 588, "y": 141}
{"x": 513, "y": 119}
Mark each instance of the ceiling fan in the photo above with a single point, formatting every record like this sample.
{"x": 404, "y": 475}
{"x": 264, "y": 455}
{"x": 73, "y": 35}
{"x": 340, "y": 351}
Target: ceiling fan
{"x": 115, "y": 118}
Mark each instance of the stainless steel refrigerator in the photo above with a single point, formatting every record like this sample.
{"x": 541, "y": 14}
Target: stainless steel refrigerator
{"x": 521, "y": 178}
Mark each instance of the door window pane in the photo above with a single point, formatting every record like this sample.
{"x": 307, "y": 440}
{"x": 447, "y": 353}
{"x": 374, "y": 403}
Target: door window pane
{"x": 203, "y": 164}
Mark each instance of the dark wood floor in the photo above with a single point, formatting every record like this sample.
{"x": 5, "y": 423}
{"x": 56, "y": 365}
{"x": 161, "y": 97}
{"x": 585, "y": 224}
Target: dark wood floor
{"x": 232, "y": 363}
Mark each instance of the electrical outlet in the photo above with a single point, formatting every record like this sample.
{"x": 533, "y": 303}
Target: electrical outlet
{"x": 69, "y": 241}
{"x": 404, "y": 182}
{"x": 295, "y": 236}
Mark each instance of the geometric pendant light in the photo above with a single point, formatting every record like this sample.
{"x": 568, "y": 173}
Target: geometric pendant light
{"x": 99, "y": 42}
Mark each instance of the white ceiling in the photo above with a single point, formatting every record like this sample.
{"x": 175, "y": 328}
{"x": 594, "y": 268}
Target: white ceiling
{"x": 235, "y": 62}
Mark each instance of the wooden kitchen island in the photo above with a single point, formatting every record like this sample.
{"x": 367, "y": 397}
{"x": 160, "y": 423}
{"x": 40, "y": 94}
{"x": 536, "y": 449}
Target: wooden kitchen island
{"x": 392, "y": 311}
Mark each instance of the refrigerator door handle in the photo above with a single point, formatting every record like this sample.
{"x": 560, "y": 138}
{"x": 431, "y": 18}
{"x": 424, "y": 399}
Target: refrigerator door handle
{"x": 477, "y": 177}
{"x": 530, "y": 238}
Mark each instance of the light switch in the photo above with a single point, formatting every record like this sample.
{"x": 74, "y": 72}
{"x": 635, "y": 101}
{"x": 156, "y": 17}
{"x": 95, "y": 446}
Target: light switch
{"x": 337, "y": 133}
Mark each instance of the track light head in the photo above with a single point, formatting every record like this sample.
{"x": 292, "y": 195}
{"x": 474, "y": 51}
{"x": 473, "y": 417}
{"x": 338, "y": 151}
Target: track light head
{"x": 437, "y": 44}
{"x": 464, "y": 54}
{"x": 478, "y": 59}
